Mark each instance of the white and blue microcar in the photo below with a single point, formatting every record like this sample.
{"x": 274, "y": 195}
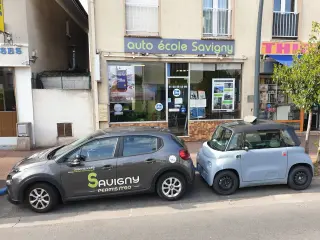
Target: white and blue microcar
{"x": 254, "y": 152}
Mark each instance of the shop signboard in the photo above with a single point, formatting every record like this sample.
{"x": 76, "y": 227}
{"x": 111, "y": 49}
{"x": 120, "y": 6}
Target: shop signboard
{"x": 223, "y": 94}
{"x": 13, "y": 55}
{"x": 282, "y": 48}
{"x": 1, "y": 16}
{"x": 178, "y": 46}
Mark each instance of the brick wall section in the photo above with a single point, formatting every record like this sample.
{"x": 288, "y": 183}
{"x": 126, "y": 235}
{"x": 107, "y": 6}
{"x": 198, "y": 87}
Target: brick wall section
{"x": 201, "y": 130}
{"x": 198, "y": 130}
{"x": 141, "y": 124}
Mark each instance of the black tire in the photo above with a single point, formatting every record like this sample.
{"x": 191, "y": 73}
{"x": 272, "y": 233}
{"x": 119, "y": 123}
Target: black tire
{"x": 225, "y": 188}
{"x": 178, "y": 179}
{"x": 48, "y": 200}
{"x": 300, "y": 178}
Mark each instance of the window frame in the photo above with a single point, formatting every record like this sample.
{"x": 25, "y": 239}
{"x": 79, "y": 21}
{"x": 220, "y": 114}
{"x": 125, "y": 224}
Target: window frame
{"x": 241, "y": 142}
{"x": 160, "y": 145}
{"x": 283, "y": 5}
{"x": 116, "y": 151}
{"x": 64, "y": 124}
{"x": 215, "y": 6}
{"x": 142, "y": 33}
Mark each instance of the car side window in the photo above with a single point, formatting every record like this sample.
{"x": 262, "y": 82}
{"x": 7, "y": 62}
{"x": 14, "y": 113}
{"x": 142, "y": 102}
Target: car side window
{"x": 263, "y": 139}
{"x": 235, "y": 142}
{"x": 99, "y": 149}
{"x": 138, "y": 145}
{"x": 287, "y": 139}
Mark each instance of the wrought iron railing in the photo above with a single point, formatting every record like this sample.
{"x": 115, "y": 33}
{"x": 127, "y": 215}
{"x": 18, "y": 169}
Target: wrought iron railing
{"x": 285, "y": 25}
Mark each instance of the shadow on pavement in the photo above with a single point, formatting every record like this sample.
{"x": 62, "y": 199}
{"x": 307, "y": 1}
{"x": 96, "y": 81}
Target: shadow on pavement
{"x": 200, "y": 194}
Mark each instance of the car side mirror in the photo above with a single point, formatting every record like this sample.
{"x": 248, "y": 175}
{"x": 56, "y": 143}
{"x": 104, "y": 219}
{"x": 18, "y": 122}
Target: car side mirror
{"x": 77, "y": 161}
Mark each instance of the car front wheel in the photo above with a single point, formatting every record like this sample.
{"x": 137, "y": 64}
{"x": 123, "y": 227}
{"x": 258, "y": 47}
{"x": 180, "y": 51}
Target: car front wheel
{"x": 300, "y": 178}
{"x": 41, "y": 198}
{"x": 225, "y": 183}
{"x": 171, "y": 186}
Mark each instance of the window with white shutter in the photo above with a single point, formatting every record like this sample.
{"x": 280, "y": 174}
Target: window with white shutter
{"x": 142, "y": 17}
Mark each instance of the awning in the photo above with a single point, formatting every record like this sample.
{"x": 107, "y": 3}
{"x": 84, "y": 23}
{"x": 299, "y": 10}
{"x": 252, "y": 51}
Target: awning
{"x": 283, "y": 59}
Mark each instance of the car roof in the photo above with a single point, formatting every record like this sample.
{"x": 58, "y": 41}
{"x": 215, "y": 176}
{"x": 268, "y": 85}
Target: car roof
{"x": 123, "y": 131}
{"x": 242, "y": 126}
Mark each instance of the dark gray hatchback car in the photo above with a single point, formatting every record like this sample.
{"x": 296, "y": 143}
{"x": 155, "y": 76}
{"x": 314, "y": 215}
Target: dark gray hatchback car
{"x": 108, "y": 162}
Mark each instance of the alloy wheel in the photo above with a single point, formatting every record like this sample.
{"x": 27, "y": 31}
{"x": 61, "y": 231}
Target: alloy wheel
{"x": 171, "y": 187}
{"x": 39, "y": 198}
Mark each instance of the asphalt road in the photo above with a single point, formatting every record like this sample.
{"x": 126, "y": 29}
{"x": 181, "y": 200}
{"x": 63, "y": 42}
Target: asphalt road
{"x": 255, "y": 213}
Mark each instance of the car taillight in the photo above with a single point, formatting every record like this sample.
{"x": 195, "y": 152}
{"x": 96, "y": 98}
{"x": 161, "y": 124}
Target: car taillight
{"x": 184, "y": 154}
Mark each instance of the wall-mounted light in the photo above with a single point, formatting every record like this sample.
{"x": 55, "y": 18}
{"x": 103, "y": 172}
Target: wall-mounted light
{"x": 171, "y": 55}
{"x": 201, "y": 55}
{"x": 33, "y": 57}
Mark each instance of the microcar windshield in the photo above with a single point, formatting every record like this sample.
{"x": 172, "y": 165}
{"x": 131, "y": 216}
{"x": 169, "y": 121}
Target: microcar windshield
{"x": 220, "y": 138}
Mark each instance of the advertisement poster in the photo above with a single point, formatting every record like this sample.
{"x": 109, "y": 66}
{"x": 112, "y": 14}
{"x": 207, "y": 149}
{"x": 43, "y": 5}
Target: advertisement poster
{"x": 223, "y": 94}
{"x": 121, "y": 84}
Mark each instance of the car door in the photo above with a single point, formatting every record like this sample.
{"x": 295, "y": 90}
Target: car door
{"x": 140, "y": 160}
{"x": 265, "y": 158}
{"x": 96, "y": 173}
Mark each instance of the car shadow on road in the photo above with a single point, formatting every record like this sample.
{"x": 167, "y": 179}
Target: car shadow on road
{"x": 143, "y": 203}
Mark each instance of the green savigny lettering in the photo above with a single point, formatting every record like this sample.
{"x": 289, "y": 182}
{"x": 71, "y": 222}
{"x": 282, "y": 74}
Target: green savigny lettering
{"x": 92, "y": 178}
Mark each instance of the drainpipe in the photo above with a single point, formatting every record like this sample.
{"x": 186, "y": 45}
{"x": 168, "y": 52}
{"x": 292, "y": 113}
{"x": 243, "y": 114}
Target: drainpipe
{"x": 73, "y": 59}
{"x": 92, "y": 55}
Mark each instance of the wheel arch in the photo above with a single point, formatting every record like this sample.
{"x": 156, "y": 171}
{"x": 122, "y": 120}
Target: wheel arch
{"x": 40, "y": 179}
{"x": 165, "y": 171}
{"x": 227, "y": 169}
{"x": 300, "y": 165}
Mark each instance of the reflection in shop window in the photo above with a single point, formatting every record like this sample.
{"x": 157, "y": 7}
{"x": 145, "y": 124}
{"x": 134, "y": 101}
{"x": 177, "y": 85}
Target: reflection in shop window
{"x": 7, "y": 96}
{"x": 137, "y": 91}
{"x": 215, "y": 91}
{"x": 275, "y": 103}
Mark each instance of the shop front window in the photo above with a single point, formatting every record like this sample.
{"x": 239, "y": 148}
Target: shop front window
{"x": 275, "y": 104}
{"x": 137, "y": 91}
{"x": 215, "y": 91}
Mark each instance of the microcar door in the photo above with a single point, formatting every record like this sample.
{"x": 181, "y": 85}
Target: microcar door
{"x": 265, "y": 158}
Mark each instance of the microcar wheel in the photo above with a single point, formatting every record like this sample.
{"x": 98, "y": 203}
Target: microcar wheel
{"x": 41, "y": 198}
{"x": 300, "y": 178}
{"x": 171, "y": 186}
{"x": 225, "y": 183}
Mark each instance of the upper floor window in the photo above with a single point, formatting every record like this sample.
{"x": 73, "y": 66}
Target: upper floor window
{"x": 217, "y": 18}
{"x": 142, "y": 17}
{"x": 285, "y": 19}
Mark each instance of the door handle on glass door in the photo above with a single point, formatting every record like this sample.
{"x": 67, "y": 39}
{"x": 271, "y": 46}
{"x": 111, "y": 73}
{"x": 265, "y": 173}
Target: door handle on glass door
{"x": 150, "y": 160}
{"x": 107, "y": 167}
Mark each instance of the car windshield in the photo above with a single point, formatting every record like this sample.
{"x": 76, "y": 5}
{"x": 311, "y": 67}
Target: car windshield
{"x": 66, "y": 148}
{"x": 220, "y": 139}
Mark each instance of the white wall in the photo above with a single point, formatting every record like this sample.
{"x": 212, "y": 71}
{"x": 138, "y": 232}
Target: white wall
{"x": 52, "y": 106}
{"x": 23, "y": 91}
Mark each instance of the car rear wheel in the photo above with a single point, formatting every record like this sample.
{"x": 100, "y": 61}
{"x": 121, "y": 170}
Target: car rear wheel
{"x": 300, "y": 178}
{"x": 225, "y": 183}
{"x": 171, "y": 186}
{"x": 41, "y": 198}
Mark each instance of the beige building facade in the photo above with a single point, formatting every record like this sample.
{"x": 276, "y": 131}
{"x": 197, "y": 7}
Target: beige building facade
{"x": 184, "y": 64}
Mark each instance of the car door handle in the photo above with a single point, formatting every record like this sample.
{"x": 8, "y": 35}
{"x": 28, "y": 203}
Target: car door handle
{"x": 107, "y": 167}
{"x": 150, "y": 160}
{"x": 238, "y": 156}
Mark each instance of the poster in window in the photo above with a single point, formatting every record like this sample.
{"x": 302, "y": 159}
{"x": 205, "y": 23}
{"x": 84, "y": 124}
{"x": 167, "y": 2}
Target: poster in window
{"x": 223, "y": 90}
{"x": 121, "y": 84}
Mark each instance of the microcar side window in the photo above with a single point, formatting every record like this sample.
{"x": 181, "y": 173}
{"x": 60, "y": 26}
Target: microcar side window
{"x": 264, "y": 139}
{"x": 287, "y": 139}
{"x": 220, "y": 139}
{"x": 235, "y": 142}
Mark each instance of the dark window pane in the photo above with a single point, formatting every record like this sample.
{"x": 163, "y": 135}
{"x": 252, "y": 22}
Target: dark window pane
{"x": 277, "y": 5}
{"x": 135, "y": 90}
{"x": 137, "y": 145}
{"x": 215, "y": 91}
{"x": 99, "y": 149}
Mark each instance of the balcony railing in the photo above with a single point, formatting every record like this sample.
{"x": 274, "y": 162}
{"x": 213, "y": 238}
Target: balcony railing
{"x": 142, "y": 19}
{"x": 285, "y": 25}
{"x": 217, "y": 22}
{"x": 62, "y": 80}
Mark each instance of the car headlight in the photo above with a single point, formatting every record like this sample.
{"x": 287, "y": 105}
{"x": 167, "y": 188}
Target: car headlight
{"x": 15, "y": 170}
